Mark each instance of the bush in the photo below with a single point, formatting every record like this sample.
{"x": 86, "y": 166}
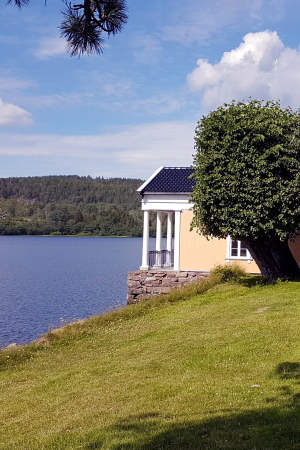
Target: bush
{"x": 229, "y": 273}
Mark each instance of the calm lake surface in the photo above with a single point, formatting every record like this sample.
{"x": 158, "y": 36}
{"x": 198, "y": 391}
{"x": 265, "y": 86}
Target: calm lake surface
{"x": 48, "y": 281}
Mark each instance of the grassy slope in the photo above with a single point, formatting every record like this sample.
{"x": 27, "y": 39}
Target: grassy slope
{"x": 175, "y": 376}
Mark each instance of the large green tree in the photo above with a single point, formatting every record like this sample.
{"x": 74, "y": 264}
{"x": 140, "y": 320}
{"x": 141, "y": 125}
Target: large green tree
{"x": 247, "y": 171}
{"x": 85, "y": 23}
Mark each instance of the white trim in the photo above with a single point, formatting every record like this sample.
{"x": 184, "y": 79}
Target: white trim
{"x": 166, "y": 202}
{"x": 169, "y": 231}
{"x": 150, "y": 179}
{"x": 228, "y": 248}
{"x": 158, "y": 231}
{"x": 169, "y": 193}
{"x": 229, "y": 257}
{"x": 177, "y": 240}
{"x": 144, "y": 265}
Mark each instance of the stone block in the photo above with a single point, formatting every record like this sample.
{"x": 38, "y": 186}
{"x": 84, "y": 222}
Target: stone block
{"x": 161, "y": 290}
{"x": 168, "y": 282}
{"x": 153, "y": 283}
{"x": 149, "y": 290}
{"x": 171, "y": 275}
{"x": 181, "y": 274}
{"x": 136, "y": 273}
{"x": 136, "y": 291}
{"x": 134, "y": 278}
{"x": 150, "y": 279}
{"x": 132, "y": 283}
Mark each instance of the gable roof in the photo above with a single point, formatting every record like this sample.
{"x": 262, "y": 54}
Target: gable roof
{"x": 169, "y": 180}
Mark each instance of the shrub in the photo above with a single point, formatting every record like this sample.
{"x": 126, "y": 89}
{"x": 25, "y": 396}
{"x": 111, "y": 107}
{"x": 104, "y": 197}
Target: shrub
{"x": 229, "y": 273}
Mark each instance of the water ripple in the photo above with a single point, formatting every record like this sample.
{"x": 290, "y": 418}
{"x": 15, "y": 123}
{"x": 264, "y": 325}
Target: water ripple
{"x": 48, "y": 281}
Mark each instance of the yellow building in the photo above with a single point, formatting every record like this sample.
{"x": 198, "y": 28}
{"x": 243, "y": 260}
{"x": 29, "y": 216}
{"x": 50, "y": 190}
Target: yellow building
{"x": 167, "y": 192}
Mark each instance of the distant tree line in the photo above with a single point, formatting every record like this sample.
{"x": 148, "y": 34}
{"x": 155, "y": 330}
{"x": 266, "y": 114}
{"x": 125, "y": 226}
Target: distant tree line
{"x": 70, "y": 205}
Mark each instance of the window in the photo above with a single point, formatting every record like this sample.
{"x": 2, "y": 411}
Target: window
{"x": 237, "y": 250}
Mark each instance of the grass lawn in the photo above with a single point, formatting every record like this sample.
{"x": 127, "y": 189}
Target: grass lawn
{"x": 220, "y": 370}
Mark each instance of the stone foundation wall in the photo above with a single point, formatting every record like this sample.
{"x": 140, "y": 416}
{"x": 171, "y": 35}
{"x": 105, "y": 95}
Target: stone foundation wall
{"x": 144, "y": 284}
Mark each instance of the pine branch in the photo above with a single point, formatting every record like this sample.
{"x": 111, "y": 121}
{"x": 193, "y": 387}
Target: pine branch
{"x": 85, "y": 23}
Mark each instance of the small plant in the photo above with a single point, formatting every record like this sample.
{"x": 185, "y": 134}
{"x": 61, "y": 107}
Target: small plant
{"x": 229, "y": 273}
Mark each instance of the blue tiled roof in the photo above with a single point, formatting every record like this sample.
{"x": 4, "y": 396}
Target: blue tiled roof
{"x": 171, "y": 179}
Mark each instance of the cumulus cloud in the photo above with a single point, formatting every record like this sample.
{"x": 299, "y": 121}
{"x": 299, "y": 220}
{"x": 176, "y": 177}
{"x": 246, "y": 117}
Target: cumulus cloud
{"x": 13, "y": 115}
{"x": 49, "y": 47}
{"x": 261, "y": 67}
{"x": 132, "y": 151}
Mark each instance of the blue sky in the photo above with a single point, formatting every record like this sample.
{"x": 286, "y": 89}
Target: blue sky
{"x": 134, "y": 108}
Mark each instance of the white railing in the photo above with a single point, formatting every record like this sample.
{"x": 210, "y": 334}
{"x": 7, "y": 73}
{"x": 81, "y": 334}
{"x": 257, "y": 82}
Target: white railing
{"x": 162, "y": 258}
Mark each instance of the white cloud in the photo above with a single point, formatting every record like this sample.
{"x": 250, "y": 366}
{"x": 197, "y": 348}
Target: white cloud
{"x": 261, "y": 66}
{"x": 134, "y": 151}
{"x": 13, "y": 115}
{"x": 106, "y": 83}
{"x": 160, "y": 104}
{"x": 13, "y": 84}
{"x": 49, "y": 47}
{"x": 57, "y": 100}
{"x": 196, "y": 21}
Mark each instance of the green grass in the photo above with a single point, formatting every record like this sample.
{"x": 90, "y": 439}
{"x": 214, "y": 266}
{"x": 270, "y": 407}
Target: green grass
{"x": 220, "y": 370}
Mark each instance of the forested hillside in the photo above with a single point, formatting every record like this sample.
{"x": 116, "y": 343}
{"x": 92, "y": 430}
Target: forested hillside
{"x": 70, "y": 205}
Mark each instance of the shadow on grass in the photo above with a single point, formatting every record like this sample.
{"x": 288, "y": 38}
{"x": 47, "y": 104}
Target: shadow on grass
{"x": 252, "y": 281}
{"x": 270, "y": 428}
{"x": 267, "y": 429}
{"x": 288, "y": 370}
{"x": 276, "y": 426}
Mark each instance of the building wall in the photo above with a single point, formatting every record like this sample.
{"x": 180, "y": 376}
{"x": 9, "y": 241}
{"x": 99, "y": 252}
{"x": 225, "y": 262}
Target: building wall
{"x": 197, "y": 253}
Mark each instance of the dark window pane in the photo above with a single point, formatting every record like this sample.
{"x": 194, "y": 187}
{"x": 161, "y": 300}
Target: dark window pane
{"x": 243, "y": 251}
{"x": 234, "y": 244}
{"x": 234, "y": 248}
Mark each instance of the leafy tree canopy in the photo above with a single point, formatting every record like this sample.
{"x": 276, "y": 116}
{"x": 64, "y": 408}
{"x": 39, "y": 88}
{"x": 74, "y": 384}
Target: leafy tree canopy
{"x": 84, "y": 24}
{"x": 247, "y": 171}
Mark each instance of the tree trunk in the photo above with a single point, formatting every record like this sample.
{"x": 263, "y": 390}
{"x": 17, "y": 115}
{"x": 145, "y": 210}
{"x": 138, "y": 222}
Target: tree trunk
{"x": 274, "y": 259}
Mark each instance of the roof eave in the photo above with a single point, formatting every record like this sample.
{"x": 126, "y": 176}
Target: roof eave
{"x": 167, "y": 193}
{"x": 142, "y": 187}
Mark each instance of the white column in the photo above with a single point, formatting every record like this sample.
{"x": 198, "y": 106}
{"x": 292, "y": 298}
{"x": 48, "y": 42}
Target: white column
{"x": 145, "y": 265}
{"x": 158, "y": 231}
{"x": 177, "y": 240}
{"x": 158, "y": 238}
{"x": 228, "y": 249}
{"x": 169, "y": 232}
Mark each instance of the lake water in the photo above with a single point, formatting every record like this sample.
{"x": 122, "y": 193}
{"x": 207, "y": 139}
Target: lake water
{"x": 48, "y": 281}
